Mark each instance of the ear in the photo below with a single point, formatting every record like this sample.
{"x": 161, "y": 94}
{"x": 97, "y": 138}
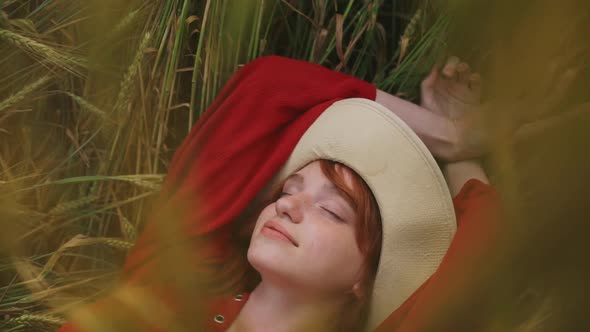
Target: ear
{"x": 357, "y": 290}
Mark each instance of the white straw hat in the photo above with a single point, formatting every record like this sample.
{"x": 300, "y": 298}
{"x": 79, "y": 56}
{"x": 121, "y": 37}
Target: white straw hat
{"x": 418, "y": 218}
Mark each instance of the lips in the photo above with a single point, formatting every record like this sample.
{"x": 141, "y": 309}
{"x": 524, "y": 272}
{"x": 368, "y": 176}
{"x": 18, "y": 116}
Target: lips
{"x": 273, "y": 228}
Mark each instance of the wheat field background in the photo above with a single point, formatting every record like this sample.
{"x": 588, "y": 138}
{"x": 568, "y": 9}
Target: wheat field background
{"x": 95, "y": 96}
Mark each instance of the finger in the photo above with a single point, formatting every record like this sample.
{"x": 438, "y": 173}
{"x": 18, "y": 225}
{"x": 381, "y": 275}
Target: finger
{"x": 450, "y": 68}
{"x": 475, "y": 84}
{"x": 427, "y": 89}
{"x": 463, "y": 73}
{"x": 429, "y": 81}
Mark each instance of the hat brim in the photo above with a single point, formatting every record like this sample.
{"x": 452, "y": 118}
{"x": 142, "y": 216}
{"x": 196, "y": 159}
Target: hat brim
{"x": 418, "y": 218}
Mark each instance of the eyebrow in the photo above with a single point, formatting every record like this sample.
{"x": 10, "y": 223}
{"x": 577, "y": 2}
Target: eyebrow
{"x": 295, "y": 177}
{"x": 332, "y": 188}
{"x": 329, "y": 187}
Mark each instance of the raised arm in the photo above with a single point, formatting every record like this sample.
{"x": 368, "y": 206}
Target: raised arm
{"x": 435, "y": 130}
{"x": 446, "y": 120}
{"x": 440, "y": 135}
{"x": 455, "y": 92}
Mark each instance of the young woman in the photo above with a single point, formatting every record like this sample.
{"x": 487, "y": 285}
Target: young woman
{"x": 361, "y": 218}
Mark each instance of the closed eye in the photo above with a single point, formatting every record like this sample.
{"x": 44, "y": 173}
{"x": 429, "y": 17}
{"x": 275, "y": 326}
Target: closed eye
{"x": 333, "y": 214}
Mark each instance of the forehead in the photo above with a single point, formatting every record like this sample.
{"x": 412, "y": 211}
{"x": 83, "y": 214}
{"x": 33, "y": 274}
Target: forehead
{"x": 314, "y": 168}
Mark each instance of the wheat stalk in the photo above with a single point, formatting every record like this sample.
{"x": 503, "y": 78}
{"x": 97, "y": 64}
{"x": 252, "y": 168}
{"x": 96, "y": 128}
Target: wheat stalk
{"x": 88, "y": 106}
{"x": 124, "y": 96}
{"x": 82, "y": 241}
{"x": 117, "y": 243}
{"x": 144, "y": 181}
{"x": 125, "y": 22}
{"x": 409, "y": 32}
{"x": 33, "y": 320}
{"x": 42, "y": 51}
{"x": 71, "y": 205}
{"x": 127, "y": 228}
{"x": 20, "y": 95}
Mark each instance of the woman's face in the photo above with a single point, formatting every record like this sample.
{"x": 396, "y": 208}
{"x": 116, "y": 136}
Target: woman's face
{"x": 306, "y": 239}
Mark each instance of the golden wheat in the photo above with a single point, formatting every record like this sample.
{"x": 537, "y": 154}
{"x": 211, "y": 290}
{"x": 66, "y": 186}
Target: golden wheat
{"x": 127, "y": 229}
{"x": 88, "y": 106}
{"x": 62, "y": 208}
{"x": 34, "y": 320}
{"x": 117, "y": 243}
{"x": 43, "y": 51}
{"x": 124, "y": 97}
{"x": 20, "y": 95}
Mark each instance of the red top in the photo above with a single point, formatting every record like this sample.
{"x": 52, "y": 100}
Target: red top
{"x": 239, "y": 144}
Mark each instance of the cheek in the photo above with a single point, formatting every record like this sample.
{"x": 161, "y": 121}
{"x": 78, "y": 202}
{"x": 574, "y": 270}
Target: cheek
{"x": 336, "y": 257}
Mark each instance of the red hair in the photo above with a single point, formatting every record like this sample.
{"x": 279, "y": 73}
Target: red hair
{"x": 368, "y": 239}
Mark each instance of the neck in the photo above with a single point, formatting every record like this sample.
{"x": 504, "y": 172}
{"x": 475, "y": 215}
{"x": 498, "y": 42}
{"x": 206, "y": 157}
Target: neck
{"x": 272, "y": 307}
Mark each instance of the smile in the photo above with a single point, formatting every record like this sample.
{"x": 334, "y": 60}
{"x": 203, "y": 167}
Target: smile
{"x": 275, "y": 230}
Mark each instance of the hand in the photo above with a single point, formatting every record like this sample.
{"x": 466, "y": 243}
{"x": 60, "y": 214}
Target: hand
{"x": 455, "y": 93}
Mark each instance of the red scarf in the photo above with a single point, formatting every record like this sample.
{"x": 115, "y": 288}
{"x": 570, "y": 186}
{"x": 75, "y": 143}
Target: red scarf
{"x": 242, "y": 140}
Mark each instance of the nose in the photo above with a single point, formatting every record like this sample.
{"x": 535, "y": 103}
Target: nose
{"x": 291, "y": 206}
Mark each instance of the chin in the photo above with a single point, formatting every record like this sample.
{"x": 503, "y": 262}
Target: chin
{"x": 274, "y": 263}
{"x": 268, "y": 258}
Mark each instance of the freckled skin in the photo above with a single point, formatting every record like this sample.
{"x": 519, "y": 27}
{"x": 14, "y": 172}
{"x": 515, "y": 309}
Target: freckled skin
{"x": 327, "y": 259}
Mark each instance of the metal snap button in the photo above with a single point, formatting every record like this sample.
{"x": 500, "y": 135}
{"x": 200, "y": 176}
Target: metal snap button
{"x": 219, "y": 319}
{"x": 239, "y": 297}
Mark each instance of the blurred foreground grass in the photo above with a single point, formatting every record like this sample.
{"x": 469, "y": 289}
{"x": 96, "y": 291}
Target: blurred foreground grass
{"x": 96, "y": 95}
